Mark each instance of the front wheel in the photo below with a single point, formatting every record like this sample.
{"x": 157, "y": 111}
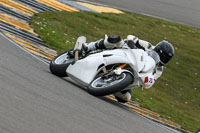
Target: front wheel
{"x": 60, "y": 63}
{"x": 105, "y": 85}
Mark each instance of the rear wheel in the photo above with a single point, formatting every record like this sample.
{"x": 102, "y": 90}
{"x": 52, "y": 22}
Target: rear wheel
{"x": 60, "y": 63}
{"x": 105, "y": 85}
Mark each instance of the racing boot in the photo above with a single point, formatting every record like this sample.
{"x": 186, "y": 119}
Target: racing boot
{"x": 123, "y": 96}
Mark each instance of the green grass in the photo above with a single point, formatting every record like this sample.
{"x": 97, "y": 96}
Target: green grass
{"x": 176, "y": 95}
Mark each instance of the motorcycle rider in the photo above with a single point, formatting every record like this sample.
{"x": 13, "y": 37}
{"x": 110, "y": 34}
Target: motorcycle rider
{"x": 161, "y": 53}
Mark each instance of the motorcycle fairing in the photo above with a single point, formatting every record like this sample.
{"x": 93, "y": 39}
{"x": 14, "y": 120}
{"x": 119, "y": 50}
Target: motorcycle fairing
{"x": 86, "y": 69}
{"x": 149, "y": 65}
{"x": 137, "y": 59}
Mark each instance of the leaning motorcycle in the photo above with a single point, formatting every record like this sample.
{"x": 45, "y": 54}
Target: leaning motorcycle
{"x": 104, "y": 72}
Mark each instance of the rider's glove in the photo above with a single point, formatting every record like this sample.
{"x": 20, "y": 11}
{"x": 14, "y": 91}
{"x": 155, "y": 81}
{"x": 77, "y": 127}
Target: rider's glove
{"x": 85, "y": 47}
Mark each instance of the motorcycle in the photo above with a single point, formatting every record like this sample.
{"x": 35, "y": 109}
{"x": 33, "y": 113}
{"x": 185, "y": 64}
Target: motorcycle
{"x": 104, "y": 72}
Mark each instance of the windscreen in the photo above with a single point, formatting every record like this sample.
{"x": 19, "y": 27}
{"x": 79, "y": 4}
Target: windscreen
{"x": 155, "y": 56}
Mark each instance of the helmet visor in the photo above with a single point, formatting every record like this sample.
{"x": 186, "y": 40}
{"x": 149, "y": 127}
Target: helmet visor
{"x": 165, "y": 58}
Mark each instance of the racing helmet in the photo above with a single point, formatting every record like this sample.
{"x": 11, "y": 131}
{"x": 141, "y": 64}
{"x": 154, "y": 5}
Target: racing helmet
{"x": 165, "y": 50}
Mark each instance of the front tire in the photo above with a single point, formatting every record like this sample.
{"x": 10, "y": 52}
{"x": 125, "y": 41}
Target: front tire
{"x": 60, "y": 63}
{"x": 101, "y": 87}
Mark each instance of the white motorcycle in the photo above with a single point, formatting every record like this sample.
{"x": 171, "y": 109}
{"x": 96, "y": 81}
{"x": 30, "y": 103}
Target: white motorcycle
{"x": 104, "y": 72}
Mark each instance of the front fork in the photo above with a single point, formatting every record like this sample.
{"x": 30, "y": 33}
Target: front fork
{"x": 122, "y": 66}
{"x": 118, "y": 71}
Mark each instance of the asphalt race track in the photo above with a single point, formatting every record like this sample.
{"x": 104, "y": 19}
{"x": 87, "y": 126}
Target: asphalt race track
{"x": 182, "y": 11}
{"x": 32, "y": 100}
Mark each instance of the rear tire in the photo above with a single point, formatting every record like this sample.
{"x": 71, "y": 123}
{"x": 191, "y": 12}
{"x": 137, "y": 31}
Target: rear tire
{"x": 60, "y": 63}
{"x": 100, "y": 87}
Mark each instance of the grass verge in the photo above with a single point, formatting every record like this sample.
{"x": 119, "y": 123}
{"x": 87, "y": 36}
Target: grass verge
{"x": 176, "y": 95}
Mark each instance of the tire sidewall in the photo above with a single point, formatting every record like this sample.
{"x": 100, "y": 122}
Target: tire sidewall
{"x": 111, "y": 89}
{"x": 59, "y": 69}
